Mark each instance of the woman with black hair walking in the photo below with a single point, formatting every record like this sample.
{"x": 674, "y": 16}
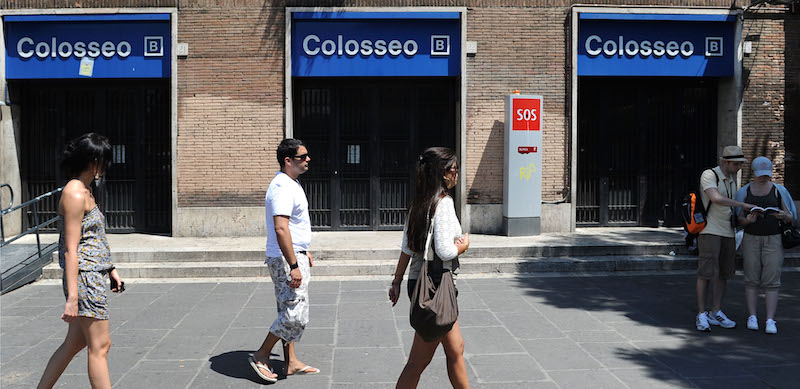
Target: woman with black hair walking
{"x": 84, "y": 255}
{"x": 437, "y": 174}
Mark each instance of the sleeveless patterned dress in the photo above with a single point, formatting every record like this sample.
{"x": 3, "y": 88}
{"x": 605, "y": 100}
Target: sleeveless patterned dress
{"x": 94, "y": 261}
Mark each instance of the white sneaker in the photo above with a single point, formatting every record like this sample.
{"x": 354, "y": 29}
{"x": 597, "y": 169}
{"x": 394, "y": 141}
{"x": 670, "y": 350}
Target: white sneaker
{"x": 719, "y": 319}
{"x": 770, "y": 327}
{"x": 702, "y": 322}
{"x": 752, "y": 323}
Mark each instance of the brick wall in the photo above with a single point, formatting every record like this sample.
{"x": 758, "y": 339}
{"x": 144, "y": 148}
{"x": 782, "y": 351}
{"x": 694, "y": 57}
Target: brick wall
{"x": 230, "y": 104}
{"x": 791, "y": 28}
{"x": 231, "y": 109}
{"x": 764, "y": 81}
{"x": 518, "y": 49}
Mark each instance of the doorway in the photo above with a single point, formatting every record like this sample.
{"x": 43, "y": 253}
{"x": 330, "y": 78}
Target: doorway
{"x": 133, "y": 114}
{"x": 364, "y": 135}
{"x": 642, "y": 144}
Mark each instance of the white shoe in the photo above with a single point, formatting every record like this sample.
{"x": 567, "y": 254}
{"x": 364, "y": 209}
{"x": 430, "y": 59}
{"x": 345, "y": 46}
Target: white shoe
{"x": 701, "y": 321}
{"x": 752, "y": 323}
{"x": 770, "y": 327}
{"x": 719, "y": 319}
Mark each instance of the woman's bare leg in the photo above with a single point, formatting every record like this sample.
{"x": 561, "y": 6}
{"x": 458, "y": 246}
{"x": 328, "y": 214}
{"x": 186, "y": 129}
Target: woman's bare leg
{"x": 751, "y": 297}
{"x": 99, "y": 342}
{"x": 418, "y": 359}
{"x": 453, "y": 344}
{"x": 73, "y": 344}
{"x": 772, "y": 302}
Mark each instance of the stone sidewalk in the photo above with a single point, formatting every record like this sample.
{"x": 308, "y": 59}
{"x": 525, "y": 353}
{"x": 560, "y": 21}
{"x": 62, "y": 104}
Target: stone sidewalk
{"x": 520, "y": 332}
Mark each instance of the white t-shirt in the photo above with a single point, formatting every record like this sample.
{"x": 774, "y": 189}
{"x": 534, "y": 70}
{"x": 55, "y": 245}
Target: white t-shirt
{"x": 285, "y": 197}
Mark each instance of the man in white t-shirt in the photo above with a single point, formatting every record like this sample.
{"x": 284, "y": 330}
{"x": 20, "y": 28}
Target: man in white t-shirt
{"x": 716, "y": 242}
{"x": 288, "y": 239}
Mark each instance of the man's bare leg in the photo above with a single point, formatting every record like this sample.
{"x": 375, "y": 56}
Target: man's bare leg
{"x": 717, "y": 294}
{"x": 263, "y": 353}
{"x": 293, "y": 365}
{"x": 702, "y": 287}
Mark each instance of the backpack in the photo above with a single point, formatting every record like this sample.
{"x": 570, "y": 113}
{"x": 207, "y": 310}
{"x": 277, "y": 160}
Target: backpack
{"x": 694, "y": 212}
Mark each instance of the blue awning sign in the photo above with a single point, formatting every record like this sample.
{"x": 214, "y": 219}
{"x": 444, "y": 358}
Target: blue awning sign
{"x": 359, "y": 44}
{"x": 56, "y": 46}
{"x": 656, "y": 45}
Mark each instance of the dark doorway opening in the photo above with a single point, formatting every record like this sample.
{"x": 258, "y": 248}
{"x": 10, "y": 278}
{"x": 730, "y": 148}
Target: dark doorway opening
{"x": 642, "y": 144}
{"x": 364, "y": 135}
{"x": 133, "y": 114}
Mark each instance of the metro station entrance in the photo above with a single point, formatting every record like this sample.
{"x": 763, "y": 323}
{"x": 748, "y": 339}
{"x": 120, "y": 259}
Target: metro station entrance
{"x": 96, "y": 72}
{"x": 363, "y": 135}
{"x": 642, "y": 144}
{"x": 133, "y": 114}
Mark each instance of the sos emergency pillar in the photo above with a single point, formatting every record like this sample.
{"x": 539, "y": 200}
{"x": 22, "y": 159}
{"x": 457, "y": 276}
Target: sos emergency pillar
{"x": 522, "y": 184}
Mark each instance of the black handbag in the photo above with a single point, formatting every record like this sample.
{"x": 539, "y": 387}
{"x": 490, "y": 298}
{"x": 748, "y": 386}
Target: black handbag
{"x": 790, "y": 235}
{"x": 434, "y": 308}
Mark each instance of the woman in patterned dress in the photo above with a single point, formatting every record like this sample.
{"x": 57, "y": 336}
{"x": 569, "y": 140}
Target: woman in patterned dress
{"x": 84, "y": 255}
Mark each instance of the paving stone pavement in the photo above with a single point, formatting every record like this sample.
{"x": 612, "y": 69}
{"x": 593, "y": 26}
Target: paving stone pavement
{"x": 526, "y": 332}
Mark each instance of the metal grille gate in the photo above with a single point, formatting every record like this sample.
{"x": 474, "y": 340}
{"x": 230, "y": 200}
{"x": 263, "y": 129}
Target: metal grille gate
{"x": 135, "y": 115}
{"x": 642, "y": 144}
{"x": 363, "y": 136}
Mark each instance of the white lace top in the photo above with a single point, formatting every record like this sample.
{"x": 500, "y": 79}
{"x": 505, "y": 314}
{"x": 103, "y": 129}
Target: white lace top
{"x": 446, "y": 230}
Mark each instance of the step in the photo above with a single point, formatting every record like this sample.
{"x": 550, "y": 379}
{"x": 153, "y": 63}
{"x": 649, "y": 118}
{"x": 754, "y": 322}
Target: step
{"x": 205, "y": 269}
{"x": 606, "y": 263}
{"x": 566, "y": 250}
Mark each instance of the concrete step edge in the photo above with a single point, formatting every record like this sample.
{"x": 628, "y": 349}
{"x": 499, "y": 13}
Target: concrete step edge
{"x": 358, "y": 268}
{"x": 354, "y": 262}
{"x": 164, "y": 255}
{"x": 598, "y": 264}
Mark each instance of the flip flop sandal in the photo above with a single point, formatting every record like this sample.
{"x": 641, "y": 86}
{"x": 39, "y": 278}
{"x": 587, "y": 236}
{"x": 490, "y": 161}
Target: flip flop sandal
{"x": 257, "y": 366}
{"x": 305, "y": 371}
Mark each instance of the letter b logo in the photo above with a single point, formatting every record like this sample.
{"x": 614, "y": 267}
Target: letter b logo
{"x": 440, "y": 45}
{"x": 713, "y": 46}
{"x": 153, "y": 46}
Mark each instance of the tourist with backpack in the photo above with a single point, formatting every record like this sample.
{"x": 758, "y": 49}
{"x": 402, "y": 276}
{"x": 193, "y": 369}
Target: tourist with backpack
{"x": 762, "y": 244}
{"x": 716, "y": 243}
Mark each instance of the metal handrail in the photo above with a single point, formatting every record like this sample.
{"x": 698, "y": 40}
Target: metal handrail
{"x": 2, "y": 212}
{"x": 35, "y": 213}
{"x": 10, "y": 190}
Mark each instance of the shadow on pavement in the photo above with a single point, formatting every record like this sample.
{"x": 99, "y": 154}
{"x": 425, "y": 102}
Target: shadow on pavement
{"x": 649, "y": 321}
{"x": 234, "y": 364}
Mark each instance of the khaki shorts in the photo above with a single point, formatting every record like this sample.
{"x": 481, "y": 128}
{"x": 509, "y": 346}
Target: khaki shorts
{"x": 717, "y": 257}
{"x": 763, "y": 259}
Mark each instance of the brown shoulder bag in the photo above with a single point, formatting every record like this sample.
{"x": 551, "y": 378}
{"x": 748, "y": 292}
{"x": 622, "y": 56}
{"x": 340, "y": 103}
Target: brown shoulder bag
{"x": 434, "y": 308}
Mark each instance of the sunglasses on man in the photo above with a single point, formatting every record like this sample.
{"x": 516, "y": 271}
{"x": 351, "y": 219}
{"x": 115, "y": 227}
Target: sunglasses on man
{"x": 301, "y": 157}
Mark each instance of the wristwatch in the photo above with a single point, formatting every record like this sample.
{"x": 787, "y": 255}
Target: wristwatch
{"x": 293, "y": 266}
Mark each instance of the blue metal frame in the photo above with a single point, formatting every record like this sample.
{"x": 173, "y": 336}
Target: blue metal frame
{"x": 654, "y": 17}
{"x": 376, "y": 15}
{"x": 85, "y": 18}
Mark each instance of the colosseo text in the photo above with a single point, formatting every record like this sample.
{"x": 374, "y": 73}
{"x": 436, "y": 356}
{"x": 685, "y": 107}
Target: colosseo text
{"x": 27, "y": 48}
{"x": 313, "y": 45}
{"x": 595, "y": 45}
